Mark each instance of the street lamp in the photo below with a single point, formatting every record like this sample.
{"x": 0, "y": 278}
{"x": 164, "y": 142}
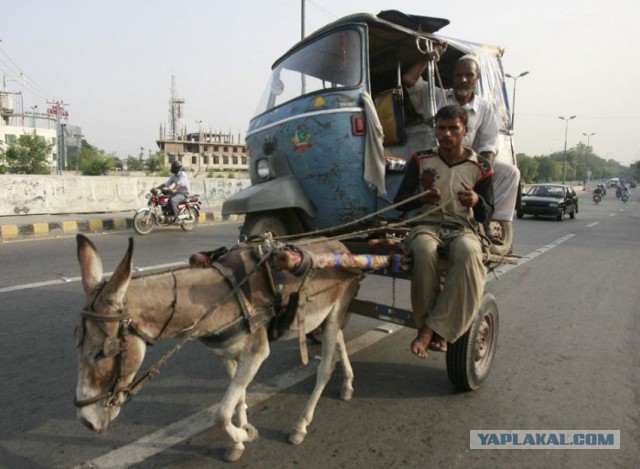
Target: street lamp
{"x": 513, "y": 104}
{"x": 33, "y": 115}
{"x": 586, "y": 160}
{"x": 566, "y": 129}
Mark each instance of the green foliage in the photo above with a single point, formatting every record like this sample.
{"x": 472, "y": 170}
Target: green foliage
{"x": 26, "y": 155}
{"x": 94, "y": 162}
{"x": 155, "y": 163}
{"x": 135, "y": 163}
{"x": 580, "y": 159}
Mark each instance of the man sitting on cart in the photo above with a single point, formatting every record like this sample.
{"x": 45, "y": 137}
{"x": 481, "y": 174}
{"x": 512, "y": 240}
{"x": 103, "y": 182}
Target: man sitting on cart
{"x": 458, "y": 195}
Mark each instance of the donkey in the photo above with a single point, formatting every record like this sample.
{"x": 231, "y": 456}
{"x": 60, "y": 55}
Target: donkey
{"x": 124, "y": 314}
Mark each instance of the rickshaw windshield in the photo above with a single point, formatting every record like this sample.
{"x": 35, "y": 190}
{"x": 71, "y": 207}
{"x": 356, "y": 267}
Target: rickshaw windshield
{"x": 332, "y": 61}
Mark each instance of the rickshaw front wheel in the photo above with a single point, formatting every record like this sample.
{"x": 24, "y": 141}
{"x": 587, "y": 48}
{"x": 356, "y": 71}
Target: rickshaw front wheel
{"x": 278, "y": 223}
{"x": 469, "y": 359}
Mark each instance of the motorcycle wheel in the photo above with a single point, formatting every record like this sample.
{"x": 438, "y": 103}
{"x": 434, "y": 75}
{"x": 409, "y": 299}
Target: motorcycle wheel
{"x": 144, "y": 222}
{"x": 191, "y": 222}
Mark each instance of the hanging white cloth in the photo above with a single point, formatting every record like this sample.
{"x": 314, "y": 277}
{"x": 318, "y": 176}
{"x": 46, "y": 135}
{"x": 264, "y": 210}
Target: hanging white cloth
{"x": 374, "y": 162}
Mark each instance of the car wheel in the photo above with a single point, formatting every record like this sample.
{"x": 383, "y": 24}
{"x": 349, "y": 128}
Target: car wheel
{"x": 560, "y": 216}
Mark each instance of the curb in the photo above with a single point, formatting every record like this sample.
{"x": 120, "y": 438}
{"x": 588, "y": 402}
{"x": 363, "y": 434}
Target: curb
{"x": 12, "y": 232}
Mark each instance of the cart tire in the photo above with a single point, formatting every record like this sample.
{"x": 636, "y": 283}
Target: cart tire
{"x": 469, "y": 359}
{"x": 144, "y": 222}
{"x": 504, "y": 231}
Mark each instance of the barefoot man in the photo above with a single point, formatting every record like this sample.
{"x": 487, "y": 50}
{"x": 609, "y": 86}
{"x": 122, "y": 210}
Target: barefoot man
{"x": 458, "y": 195}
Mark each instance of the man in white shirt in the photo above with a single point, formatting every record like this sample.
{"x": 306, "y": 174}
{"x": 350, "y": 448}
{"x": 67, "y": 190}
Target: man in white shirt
{"x": 178, "y": 183}
{"x": 482, "y": 134}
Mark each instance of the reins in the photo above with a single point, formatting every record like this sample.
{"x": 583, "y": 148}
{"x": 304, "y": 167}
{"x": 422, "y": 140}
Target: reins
{"x": 127, "y": 324}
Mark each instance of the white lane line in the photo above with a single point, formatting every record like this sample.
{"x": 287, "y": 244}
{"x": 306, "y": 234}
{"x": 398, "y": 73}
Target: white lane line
{"x": 591, "y": 225}
{"x": 28, "y": 286}
{"x": 161, "y": 440}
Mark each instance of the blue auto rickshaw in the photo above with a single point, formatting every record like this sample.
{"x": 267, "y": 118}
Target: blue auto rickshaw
{"x": 332, "y": 135}
{"x": 334, "y": 128}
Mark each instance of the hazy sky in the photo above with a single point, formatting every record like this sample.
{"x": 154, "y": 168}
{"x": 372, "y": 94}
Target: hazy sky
{"x": 112, "y": 62}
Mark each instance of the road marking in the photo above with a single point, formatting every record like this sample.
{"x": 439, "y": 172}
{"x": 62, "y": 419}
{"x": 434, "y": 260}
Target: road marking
{"x": 156, "y": 442}
{"x": 27, "y": 286}
{"x": 591, "y": 225}
{"x": 162, "y": 439}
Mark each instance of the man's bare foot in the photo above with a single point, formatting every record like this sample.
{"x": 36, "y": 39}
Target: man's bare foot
{"x": 421, "y": 343}
{"x": 438, "y": 343}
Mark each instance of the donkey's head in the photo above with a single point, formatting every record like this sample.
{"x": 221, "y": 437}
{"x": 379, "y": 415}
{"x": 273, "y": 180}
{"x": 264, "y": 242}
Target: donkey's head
{"x": 108, "y": 356}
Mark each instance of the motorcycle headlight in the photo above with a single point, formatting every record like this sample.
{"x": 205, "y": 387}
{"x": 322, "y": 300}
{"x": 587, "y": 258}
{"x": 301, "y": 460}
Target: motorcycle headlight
{"x": 148, "y": 196}
{"x": 262, "y": 168}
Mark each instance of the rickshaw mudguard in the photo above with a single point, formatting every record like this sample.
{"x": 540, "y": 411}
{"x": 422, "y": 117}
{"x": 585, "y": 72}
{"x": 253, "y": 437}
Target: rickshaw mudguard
{"x": 280, "y": 193}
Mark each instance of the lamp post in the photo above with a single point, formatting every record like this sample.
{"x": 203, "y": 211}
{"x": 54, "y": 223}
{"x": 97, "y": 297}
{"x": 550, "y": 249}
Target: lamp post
{"x": 34, "y": 109}
{"x": 513, "y": 105}
{"x": 566, "y": 130}
{"x": 586, "y": 161}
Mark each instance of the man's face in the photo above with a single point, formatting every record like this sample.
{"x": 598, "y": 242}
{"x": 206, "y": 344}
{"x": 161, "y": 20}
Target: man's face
{"x": 450, "y": 133}
{"x": 465, "y": 77}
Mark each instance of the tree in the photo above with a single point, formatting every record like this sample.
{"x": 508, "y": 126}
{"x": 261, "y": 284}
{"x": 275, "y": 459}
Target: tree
{"x": 26, "y": 155}
{"x": 135, "y": 163}
{"x": 548, "y": 170}
{"x": 94, "y": 162}
{"x": 528, "y": 167}
{"x": 155, "y": 163}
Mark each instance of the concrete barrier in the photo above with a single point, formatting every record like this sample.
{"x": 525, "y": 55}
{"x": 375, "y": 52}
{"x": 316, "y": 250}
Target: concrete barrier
{"x": 34, "y": 195}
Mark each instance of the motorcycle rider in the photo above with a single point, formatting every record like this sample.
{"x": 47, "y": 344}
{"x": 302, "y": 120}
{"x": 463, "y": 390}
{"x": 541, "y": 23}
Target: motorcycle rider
{"x": 178, "y": 183}
{"x": 624, "y": 192}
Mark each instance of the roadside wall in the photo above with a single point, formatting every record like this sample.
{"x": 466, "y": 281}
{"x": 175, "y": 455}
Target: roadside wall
{"x": 35, "y": 195}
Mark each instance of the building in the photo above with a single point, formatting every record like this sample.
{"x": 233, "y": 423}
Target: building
{"x": 14, "y": 122}
{"x": 203, "y": 151}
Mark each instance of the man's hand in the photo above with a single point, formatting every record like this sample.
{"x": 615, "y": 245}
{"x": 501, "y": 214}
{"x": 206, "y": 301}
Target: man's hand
{"x": 432, "y": 197}
{"x": 467, "y": 196}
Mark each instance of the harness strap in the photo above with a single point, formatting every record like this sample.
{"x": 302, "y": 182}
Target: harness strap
{"x": 231, "y": 280}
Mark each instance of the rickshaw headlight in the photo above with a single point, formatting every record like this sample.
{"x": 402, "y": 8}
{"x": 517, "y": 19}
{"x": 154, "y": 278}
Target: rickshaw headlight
{"x": 262, "y": 167}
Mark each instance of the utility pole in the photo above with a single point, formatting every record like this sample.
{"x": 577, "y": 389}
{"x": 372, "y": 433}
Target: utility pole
{"x": 57, "y": 109}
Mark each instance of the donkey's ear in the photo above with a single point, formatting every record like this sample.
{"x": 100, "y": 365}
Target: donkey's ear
{"x": 90, "y": 264}
{"x": 117, "y": 286}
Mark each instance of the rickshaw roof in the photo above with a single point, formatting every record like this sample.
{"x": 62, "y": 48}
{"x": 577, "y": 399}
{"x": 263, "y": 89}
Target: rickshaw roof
{"x": 395, "y": 27}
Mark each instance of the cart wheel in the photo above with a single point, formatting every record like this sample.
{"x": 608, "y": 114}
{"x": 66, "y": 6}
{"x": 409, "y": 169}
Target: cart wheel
{"x": 469, "y": 358}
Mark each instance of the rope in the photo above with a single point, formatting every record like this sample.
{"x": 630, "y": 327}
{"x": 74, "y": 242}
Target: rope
{"x": 154, "y": 370}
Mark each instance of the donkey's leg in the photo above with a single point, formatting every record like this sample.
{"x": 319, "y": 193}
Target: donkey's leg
{"x": 241, "y": 408}
{"x": 347, "y": 383}
{"x": 248, "y": 364}
{"x": 325, "y": 368}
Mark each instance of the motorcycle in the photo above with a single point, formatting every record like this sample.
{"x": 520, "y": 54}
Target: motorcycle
{"x": 597, "y": 198}
{"x": 624, "y": 196}
{"x": 158, "y": 212}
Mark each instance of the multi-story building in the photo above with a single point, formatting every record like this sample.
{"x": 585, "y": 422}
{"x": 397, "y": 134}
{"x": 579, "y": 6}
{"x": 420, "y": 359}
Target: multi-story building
{"x": 204, "y": 151}
{"x": 14, "y": 122}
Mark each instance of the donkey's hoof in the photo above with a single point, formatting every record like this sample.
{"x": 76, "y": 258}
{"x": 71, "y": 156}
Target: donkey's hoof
{"x": 297, "y": 437}
{"x": 233, "y": 454}
{"x": 347, "y": 394}
{"x": 252, "y": 432}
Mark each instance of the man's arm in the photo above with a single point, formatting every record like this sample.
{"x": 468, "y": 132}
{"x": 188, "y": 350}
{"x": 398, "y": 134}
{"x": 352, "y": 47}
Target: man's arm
{"x": 483, "y": 210}
{"x": 408, "y": 187}
{"x": 486, "y": 139}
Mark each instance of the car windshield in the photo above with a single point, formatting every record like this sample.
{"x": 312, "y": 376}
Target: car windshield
{"x": 332, "y": 61}
{"x": 546, "y": 191}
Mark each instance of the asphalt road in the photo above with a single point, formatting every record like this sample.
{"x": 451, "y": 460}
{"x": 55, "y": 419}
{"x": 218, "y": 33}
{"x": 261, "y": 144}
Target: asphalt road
{"x": 567, "y": 359}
